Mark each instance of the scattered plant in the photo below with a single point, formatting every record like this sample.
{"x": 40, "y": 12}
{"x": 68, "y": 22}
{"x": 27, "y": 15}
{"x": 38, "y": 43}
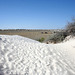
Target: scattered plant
{"x": 41, "y": 40}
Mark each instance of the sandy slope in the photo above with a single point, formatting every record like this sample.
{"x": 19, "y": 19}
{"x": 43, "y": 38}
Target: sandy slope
{"x": 23, "y": 56}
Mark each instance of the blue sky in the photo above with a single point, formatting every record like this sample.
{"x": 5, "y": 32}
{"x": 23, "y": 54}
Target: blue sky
{"x": 36, "y": 14}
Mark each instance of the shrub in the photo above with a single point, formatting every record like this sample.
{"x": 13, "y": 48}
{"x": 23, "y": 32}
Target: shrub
{"x": 41, "y": 40}
{"x": 58, "y": 37}
{"x": 70, "y": 28}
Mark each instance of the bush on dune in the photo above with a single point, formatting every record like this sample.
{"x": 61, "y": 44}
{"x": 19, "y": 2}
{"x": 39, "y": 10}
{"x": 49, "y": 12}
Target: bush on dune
{"x": 60, "y": 36}
{"x": 57, "y": 37}
{"x": 70, "y": 28}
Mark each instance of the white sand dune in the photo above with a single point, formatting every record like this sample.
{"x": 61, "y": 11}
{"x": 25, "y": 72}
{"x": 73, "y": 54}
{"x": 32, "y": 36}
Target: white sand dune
{"x": 23, "y": 56}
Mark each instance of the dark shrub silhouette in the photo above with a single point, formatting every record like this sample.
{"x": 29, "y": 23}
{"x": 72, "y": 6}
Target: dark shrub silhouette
{"x": 70, "y": 28}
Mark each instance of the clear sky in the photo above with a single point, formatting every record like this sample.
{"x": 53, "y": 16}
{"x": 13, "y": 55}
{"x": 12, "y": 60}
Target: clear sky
{"x": 36, "y": 14}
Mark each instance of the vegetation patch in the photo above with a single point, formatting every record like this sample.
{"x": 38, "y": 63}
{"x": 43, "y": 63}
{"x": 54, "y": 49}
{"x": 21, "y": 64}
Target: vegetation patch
{"x": 70, "y": 28}
{"x": 57, "y": 37}
{"x": 41, "y": 39}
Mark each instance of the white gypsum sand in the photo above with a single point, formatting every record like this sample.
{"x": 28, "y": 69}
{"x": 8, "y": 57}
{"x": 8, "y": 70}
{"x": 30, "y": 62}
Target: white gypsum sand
{"x": 23, "y": 56}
